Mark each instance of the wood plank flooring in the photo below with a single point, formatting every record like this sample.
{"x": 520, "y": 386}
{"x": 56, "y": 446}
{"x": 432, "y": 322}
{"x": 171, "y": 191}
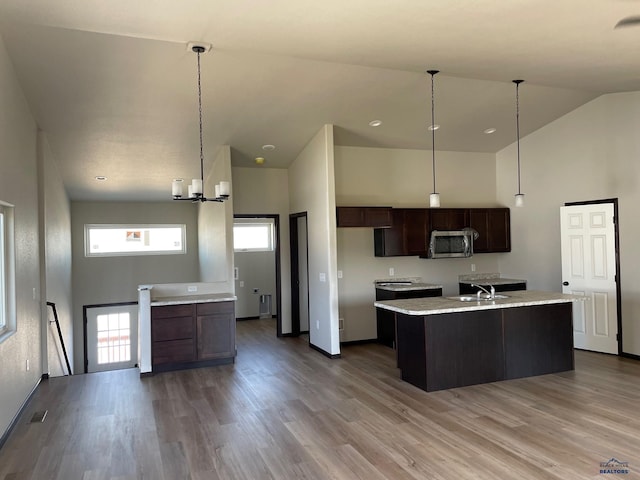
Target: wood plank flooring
{"x": 284, "y": 411}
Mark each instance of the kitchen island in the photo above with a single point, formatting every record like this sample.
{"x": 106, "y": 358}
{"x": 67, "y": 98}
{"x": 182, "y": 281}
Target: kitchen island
{"x": 443, "y": 342}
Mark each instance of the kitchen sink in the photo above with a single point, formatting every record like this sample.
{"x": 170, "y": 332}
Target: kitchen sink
{"x": 474, "y": 298}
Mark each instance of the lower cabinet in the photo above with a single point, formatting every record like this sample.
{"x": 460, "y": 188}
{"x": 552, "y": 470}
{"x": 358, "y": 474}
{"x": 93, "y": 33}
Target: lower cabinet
{"x": 191, "y": 335}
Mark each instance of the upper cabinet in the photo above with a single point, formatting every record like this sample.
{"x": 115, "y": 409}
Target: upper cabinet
{"x": 493, "y": 227}
{"x": 449, "y": 218}
{"x": 408, "y": 235}
{"x": 376, "y": 217}
{"x": 411, "y": 229}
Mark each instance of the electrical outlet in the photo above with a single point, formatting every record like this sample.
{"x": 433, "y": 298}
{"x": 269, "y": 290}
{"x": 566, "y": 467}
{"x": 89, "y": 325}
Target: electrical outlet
{"x": 28, "y": 366}
{"x": 339, "y": 273}
{"x": 192, "y": 288}
{"x": 323, "y": 277}
{"x": 241, "y": 283}
{"x": 392, "y": 271}
{"x": 473, "y": 267}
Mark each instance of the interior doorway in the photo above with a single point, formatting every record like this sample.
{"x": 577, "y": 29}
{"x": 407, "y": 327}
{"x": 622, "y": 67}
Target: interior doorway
{"x": 257, "y": 267}
{"x": 590, "y": 268}
{"x": 298, "y": 232}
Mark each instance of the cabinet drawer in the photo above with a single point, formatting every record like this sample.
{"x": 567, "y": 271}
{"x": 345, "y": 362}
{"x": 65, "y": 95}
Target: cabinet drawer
{"x": 176, "y": 328}
{"x": 166, "y": 311}
{"x": 174, "y": 351}
{"x": 214, "y": 307}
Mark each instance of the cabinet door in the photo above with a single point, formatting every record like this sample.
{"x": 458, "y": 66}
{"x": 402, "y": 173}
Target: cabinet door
{"x": 216, "y": 328}
{"x": 376, "y": 217}
{"x": 389, "y": 242}
{"x": 493, "y": 227}
{"x": 416, "y": 231}
{"x": 449, "y": 218}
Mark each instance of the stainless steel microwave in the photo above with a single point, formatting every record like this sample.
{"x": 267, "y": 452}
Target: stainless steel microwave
{"x": 451, "y": 243}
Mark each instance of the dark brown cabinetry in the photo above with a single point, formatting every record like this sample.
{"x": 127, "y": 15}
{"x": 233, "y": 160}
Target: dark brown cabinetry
{"x": 196, "y": 334}
{"x": 386, "y": 319}
{"x": 215, "y": 324}
{"x": 376, "y": 217}
{"x": 493, "y": 227}
{"x": 466, "y": 288}
{"x": 458, "y": 349}
{"x": 411, "y": 229}
{"x": 449, "y": 218}
{"x": 408, "y": 235}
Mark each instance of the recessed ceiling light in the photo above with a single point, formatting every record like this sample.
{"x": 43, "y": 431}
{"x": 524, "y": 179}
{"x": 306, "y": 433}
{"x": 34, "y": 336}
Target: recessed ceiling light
{"x": 375, "y": 123}
{"x": 434, "y": 127}
{"x": 101, "y": 178}
{"x": 268, "y": 147}
{"x": 259, "y": 160}
{"x": 491, "y": 130}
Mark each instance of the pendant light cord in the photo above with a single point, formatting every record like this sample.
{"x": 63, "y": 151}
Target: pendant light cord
{"x": 518, "y": 82}
{"x": 198, "y": 51}
{"x": 433, "y": 129}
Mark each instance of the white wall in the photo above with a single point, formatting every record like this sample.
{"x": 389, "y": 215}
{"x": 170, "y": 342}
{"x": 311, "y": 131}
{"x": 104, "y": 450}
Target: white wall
{"x": 402, "y": 178}
{"x": 55, "y": 218}
{"x": 312, "y": 190}
{"x": 101, "y": 280}
{"x": 215, "y": 227}
{"x": 266, "y": 191}
{"x": 589, "y": 154}
{"x": 19, "y": 187}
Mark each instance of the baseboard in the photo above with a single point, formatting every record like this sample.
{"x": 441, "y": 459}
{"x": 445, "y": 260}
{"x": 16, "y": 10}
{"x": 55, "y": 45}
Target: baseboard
{"x": 630, "y": 356}
{"x": 14, "y": 421}
{"x": 359, "y": 342}
{"x": 325, "y": 353}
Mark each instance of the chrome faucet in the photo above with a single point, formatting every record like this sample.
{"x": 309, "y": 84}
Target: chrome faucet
{"x": 490, "y": 294}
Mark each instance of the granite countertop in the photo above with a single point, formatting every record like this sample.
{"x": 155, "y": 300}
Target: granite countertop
{"x": 185, "y": 299}
{"x": 488, "y": 279}
{"x": 399, "y": 287}
{"x": 439, "y": 305}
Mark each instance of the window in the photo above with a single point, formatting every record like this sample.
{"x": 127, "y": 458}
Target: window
{"x": 114, "y": 240}
{"x": 7, "y": 272}
{"x": 253, "y": 236}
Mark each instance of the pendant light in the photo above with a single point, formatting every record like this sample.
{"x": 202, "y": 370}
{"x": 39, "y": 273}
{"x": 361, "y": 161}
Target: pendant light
{"x": 434, "y": 197}
{"x": 519, "y": 196}
{"x": 195, "y": 192}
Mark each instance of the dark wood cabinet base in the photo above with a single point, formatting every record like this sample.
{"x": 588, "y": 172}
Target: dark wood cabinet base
{"x": 437, "y": 352}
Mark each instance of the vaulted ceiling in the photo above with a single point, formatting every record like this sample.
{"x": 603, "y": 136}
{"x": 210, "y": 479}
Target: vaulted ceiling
{"x": 113, "y": 85}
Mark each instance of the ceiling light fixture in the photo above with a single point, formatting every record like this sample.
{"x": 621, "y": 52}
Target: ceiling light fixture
{"x": 101, "y": 178}
{"x": 268, "y": 148}
{"x": 434, "y": 198}
{"x": 259, "y": 160}
{"x": 519, "y": 195}
{"x": 375, "y": 123}
{"x": 491, "y": 130}
{"x": 195, "y": 190}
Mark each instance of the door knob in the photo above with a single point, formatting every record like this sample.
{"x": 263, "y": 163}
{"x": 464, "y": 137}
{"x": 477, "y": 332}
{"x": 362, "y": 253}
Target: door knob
{"x": 565, "y": 283}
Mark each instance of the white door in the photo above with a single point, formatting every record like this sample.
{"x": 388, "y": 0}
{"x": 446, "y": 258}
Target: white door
{"x": 112, "y": 337}
{"x": 589, "y": 269}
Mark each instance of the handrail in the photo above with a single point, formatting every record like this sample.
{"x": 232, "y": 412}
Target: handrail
{"x": 64, "y": 350}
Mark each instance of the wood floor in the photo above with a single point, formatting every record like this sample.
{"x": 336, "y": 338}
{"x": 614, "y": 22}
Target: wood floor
{"x": 284, "y": 411}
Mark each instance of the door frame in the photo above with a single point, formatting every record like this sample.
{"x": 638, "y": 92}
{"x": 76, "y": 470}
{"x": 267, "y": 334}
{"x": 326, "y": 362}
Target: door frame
{"x": 276, "y": 226}
{"x": 295, "y": 269}
{"x": 84, "y": 327}
{"x": 616, "y": 233}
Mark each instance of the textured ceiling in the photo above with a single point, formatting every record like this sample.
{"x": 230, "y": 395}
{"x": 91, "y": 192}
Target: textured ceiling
{"x": 113, "y": 86}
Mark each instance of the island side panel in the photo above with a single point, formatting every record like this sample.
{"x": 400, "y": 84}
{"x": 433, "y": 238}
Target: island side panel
{"x": 538, "y": 340}
{"x": 463, "y": 349}
{"x": 411, "y": 349}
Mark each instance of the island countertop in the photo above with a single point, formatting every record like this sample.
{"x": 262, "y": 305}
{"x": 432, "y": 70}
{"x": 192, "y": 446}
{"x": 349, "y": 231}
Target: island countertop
{"x": 186, "y": 299}
{"x": 439, "y": 305}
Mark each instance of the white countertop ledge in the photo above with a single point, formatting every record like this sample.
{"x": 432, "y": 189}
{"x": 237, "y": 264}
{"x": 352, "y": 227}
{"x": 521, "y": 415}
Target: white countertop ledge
{"x": 187, "y": 299}
{"x": 440, "y": 305}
